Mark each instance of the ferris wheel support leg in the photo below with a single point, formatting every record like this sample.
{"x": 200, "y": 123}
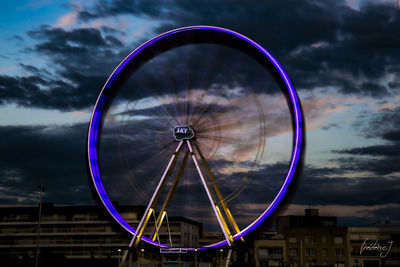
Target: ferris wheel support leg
{"x": 171, "y": 191}
{"x": 218, "y": 192}
{"x": 137, "y": 236}
{"x": 221, "y": 221}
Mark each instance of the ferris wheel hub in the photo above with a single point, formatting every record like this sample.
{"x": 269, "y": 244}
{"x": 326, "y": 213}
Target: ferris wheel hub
{"x": 183, "y": 133}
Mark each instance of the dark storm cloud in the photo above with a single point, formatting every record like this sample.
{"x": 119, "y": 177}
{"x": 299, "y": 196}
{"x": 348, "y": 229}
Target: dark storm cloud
{"x": 54, "y": 156}
{"x": 330, "y": 126}
{"x": 378, "y": 150}
{"x": 58, "y": 38}
{"x": 395, "y": 83}
{"x": 180, "y": 110}
{"x": 326, "y": 186}
{"x": 392, "y": 135}
{"x": 20, "y": 89}
{"x": 29, "y": 68}
{"x": 373, "y": 89}
{"x": 380, "y": 159}
{"x": 384, "y": 124}
{"x": 86, "y": 50}
{"x": 317, "y": 188}
{"x": 256, "y": 19}
{"x": 103, "y": 9}
{"x": 388, "y": 164}
{"x": 18, "y": 38}
{"x": 73, "y": 76}
{"x": 388, "y": 213}
{"x": 320, "y": 43}
{"x": 28, "y": 91}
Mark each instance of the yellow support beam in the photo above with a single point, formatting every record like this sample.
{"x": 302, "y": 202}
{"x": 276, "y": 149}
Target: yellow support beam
{"x": 210, "y": 196}
{"x": 158, "y": 224}
{"x": 170, "y": 194}
{"x": 224, "y": 224}
{"x": 139, "y": 236}
{"x": 142, "y": 224}
{"x": 219, "y": 194}
{"x": 232, "y": 221}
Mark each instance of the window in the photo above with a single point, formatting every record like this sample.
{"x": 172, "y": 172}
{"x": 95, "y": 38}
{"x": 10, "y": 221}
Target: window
{"x": 310, "y": 252}
{"x": 293, "y": 252}
{"x": 324, "y": 252}
{"x": 328, "y": 223}
{"x": 292, "y": 240}
{"x": 339, "y": 264}
{"x": 323, "y": 239}
{"x": 270, "y": 253}
{"x": 370, "y": 237}
{"x": 262, "y": 253}
{"x": 309, "y": 240}
{"x": 339, "y": 252}
{"x": 338, "y": 240}
{"x": 276, "y": 252}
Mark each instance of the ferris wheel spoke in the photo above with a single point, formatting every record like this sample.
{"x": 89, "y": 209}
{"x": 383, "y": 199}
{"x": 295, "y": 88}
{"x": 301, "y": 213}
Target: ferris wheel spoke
{"x": 218, "y": 192}
{"x": 142, "y": 224}
{"x": 217, "y": 212}
{"x": 170, "y": 194}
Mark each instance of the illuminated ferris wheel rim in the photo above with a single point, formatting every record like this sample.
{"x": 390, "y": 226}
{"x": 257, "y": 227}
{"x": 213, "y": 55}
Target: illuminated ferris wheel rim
{"x": 106, "y": 95}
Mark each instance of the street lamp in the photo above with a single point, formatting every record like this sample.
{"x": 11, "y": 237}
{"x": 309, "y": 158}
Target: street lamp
{"x": 142, "y": 250}
{"x": 221, "y": 250}
{"x": 195, "y": 257}
{"x": 119, "y": 257}
{"x": 42, "y": 189}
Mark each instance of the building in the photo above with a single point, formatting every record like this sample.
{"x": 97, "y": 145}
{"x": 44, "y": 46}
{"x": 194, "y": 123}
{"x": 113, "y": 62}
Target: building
{"x": 374, "y": 246}
{"x": 87, "y": 236}
{"x": 79, "y": 234}
{"x": 269, "y": 249}
{"x": 314, "y": 240}
{"x": 302, "y": 241}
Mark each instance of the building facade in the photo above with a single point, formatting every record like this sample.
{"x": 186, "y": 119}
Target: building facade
{"x": 374, "y": 246}
{"x": 79, "y": 234}
{"x": 313, "y": 240}
{"x": 269, "y": 249}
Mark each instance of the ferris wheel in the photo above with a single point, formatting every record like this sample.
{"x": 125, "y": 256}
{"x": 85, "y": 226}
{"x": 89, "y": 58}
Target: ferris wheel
{"x": 188, "y": 121}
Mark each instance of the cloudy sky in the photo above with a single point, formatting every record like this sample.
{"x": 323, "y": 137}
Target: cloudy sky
{"x": 342, "y": 56}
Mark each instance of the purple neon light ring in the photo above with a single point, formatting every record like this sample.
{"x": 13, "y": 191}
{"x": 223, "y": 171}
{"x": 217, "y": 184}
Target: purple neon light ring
{"x": 105, "y": 98}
